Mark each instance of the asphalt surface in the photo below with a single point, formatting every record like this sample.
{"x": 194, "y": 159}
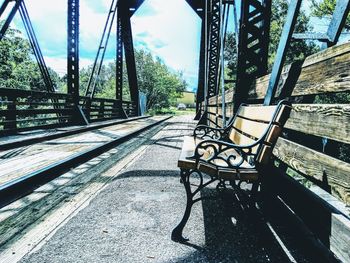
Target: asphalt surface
{"x": 132, "y": 218}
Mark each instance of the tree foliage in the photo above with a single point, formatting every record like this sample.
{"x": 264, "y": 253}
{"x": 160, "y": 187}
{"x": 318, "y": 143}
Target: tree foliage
{"x": 155, "y": 79}
{"x": 325, "y": 9}
{"x": 18, "y": 70}
{"x": 297, "y": 50}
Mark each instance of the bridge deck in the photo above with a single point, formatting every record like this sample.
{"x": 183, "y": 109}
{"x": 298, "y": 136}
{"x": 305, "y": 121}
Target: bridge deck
{"x": 34, "y": 136}
{"x": 24, "y": 161}
{"x": 130, "y": 218}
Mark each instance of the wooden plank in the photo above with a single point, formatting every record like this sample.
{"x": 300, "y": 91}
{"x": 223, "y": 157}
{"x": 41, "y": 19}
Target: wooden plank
{"x": 340, "y": 237}
{"x": 188, "y": 147}
{"x": 256, "y": 129}
{"x": 258, "y": 113}
{"x": 316, "y": 165}
{"x": 325, "y": 76}
{"x": 240, "y": 139}
{"x": 331, "y": 120}
{"x": 259, "y": 88}
{"x": 327, "y": 54}
{"x": 325, "y": 71}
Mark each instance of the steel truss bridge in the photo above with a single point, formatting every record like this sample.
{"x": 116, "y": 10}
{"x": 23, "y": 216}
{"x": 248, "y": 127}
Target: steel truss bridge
{"x": 24, "y": 110}
{"x": 26, "y": 113}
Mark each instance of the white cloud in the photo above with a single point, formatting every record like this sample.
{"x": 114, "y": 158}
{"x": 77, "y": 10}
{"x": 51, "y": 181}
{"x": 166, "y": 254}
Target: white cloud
{"x": 169, "y": 29}
{"x": 174, "y": 25}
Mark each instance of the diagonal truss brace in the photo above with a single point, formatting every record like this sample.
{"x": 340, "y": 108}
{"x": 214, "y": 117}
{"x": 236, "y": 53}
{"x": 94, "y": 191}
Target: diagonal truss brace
{"x": 335, "y": 27}
{"x": 97, "y": 66}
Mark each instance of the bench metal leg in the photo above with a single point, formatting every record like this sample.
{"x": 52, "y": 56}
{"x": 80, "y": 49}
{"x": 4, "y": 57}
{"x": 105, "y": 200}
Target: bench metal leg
{"x": 176, "y": 235}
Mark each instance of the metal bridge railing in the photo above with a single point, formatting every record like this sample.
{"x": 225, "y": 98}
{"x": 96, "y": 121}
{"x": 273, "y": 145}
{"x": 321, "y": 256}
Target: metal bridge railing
{"x": 23, "y": 110}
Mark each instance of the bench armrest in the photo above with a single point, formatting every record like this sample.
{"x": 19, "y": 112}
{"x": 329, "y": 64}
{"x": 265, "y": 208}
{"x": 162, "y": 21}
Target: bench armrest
{"x": 204, "y": 131}
{"x": 224, "y": 154}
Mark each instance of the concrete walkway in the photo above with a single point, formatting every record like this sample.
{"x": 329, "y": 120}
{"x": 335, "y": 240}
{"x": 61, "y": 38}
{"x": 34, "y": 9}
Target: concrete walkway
{"x": 132, "y": 218}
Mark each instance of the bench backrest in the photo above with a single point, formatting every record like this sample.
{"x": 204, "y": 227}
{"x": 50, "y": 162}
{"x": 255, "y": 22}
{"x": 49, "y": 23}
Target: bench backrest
{"x": 263, "y": 124}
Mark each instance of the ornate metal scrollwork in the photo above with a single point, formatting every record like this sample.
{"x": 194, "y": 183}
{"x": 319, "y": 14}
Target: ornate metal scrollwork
{"x": 192, "y": 189}
{"x": 223, "y": 154}
{"x": 207, "y": 132}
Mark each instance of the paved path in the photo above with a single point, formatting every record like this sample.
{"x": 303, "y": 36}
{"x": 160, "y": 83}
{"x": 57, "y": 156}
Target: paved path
{"x": 132, "y": 218}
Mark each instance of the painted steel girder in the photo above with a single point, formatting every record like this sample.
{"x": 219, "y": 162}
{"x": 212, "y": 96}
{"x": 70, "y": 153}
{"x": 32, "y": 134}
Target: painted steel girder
{"x": 126, "y": 34}
{"x": 120, "y": 54}
{"x": 201, "y": 70}
{"x": 254, "y": 30}
{"x": 213, "y": 47}
{"x": 73, "y": 50}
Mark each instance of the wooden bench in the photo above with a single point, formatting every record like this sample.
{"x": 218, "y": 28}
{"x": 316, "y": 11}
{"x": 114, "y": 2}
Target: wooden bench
{"x": 307, "y": 182}
{"x": 233, "y": 153}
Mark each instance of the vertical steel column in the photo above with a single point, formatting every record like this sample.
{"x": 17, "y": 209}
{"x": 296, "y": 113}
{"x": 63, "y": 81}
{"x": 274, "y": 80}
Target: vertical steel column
{"x": 214, "y": 48}
{"x": 201, "y": 71}
{"x": 73, "y": 50}
{"x": 129, "y": 55}
{"x": 119, "y": 68}
{"x": 73, "y": 60}
{"x": 252, "y": 46}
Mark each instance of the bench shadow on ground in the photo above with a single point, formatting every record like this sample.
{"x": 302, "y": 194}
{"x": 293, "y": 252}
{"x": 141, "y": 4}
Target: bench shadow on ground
{"x": 234, "y": 232}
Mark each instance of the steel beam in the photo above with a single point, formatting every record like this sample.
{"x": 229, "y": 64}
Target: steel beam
{"x": 254, "y": 30}
{"x": 36, "y": 48}
{"x": 335, "y": 27}
{"x": 9, "y": 17}
{"x": 73, "y": 50}
{"x": 201, "y": 70}
{"x": 283, "y": 45}
{"x": 119, "y": 59}
{"x": 101, "y": 51}
{"x": 341, "y": 12}
{"x": 73, "y": 60}
{"x": 129, "y": 54}
{"x": 213, "y": 47}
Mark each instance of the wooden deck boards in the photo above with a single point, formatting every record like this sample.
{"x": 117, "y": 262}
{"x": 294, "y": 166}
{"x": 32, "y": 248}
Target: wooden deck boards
{"x": 21, "y": 161}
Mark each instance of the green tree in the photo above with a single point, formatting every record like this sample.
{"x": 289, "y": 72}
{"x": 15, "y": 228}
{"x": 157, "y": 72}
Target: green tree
{"x": 18, "y": 70}
{"x": 155, "y": 79}
{"x": 298, "y": 50}
{"x": 230, "y": 54}
{"x": 325, "y": 9}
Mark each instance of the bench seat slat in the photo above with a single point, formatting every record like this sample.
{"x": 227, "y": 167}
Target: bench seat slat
{"x": 255, "y": 129}
{"x": 259, "y": 113}
{"x": 250, "y": 174}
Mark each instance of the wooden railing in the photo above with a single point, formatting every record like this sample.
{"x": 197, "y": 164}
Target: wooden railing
{"x": 130, "y": 108}
{"x": 22, "y": 110}
{"x": 310, "y": 170}
{"x": 98, "y": 109}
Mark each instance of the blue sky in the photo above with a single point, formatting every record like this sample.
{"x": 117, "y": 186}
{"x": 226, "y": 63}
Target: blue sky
{"x": 169, "y": 29}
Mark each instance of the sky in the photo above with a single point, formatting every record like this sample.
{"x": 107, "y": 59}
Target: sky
{"x": 168, "y": 29}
